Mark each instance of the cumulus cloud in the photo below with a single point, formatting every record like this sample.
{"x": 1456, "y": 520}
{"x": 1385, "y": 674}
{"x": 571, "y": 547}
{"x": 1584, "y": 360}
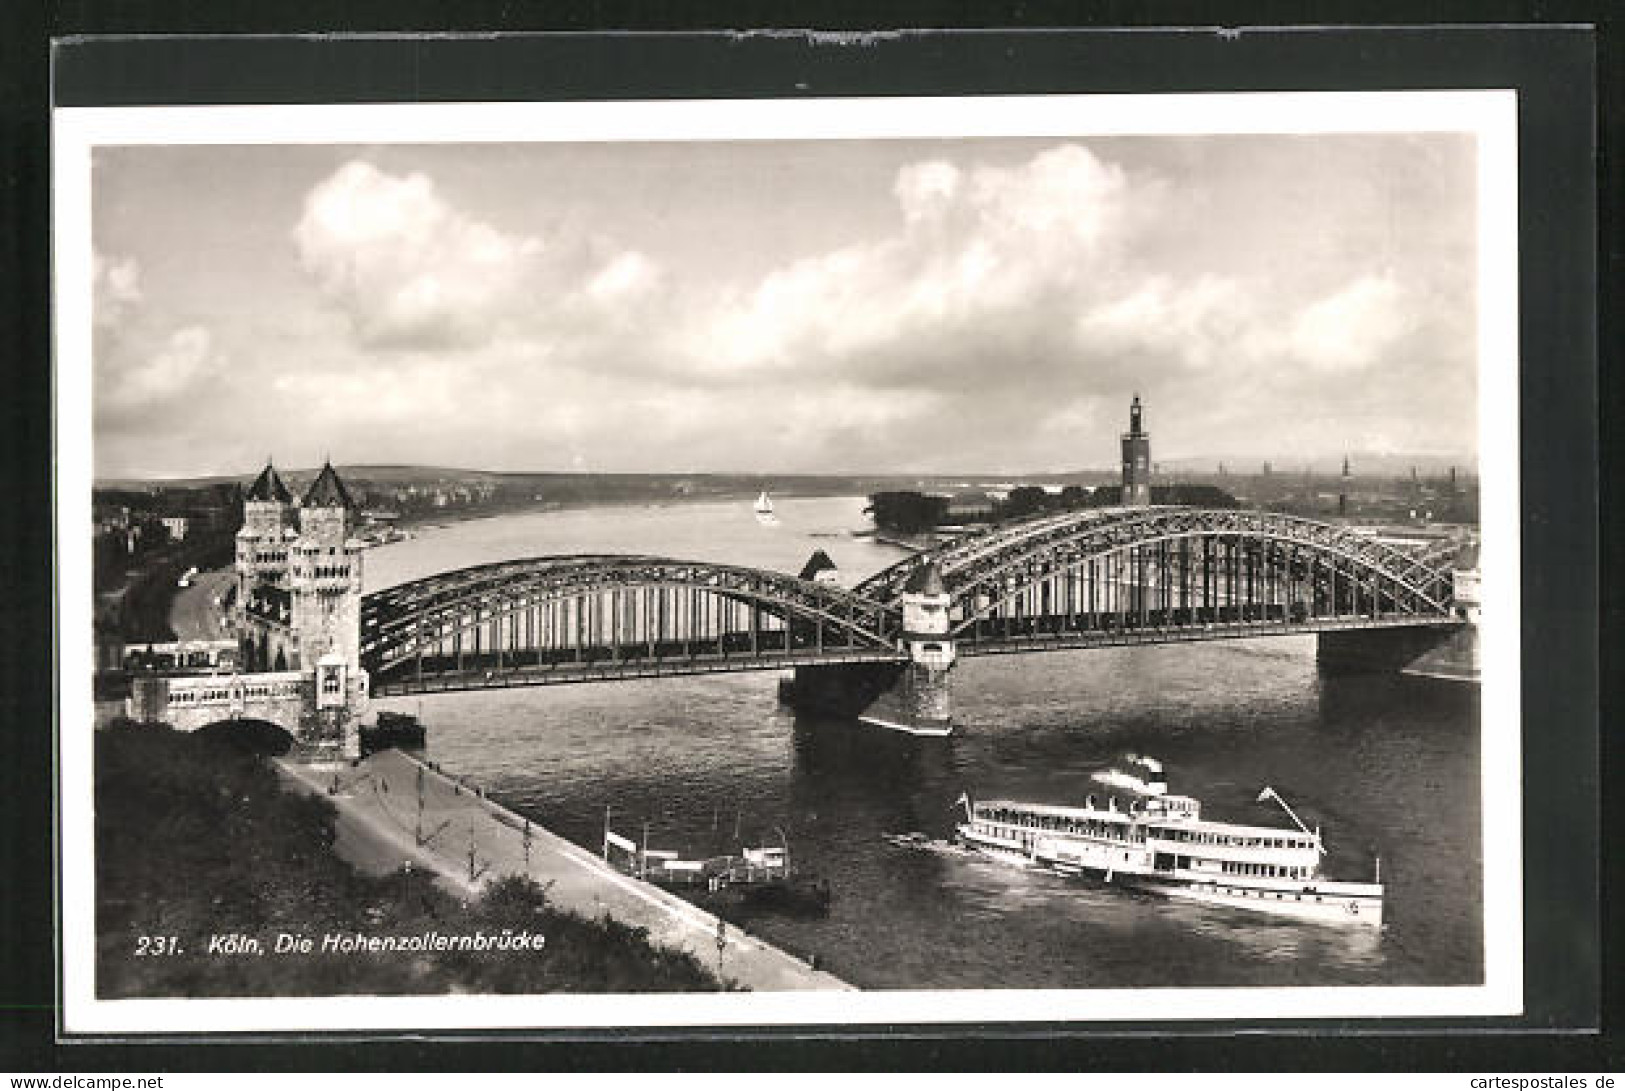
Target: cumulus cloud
{"x": 1190, "y": 325}
{"x": 406, "y": 267}
{"x": 991, "y": 312}
{"x": 144, "y": 368}
{"x": 1019, "y": 296}
{"x": 409, "y": 270}
{"x": 628, "y": 277}
{"x": 925, "y": 190}
{"x": 116, "y": 287}
{"x": 167, "y": 373}
{"x": 1353, "y": 328}
{"x": 1026, "y": 274}
{"x": 986, "y": 270}
{"x": 1065, "y": 198}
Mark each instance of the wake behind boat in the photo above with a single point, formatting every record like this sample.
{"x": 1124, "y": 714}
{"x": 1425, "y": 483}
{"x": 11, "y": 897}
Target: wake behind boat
{"x": 926, "y": 843}
{"x": 1159, "y": 842}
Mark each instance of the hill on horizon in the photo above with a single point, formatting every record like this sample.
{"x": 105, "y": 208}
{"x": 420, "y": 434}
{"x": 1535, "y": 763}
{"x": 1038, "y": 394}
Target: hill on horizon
{"x": 1361, "y": 463}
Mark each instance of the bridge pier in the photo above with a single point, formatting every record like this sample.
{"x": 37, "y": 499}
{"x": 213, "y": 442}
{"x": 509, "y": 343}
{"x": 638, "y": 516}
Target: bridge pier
{"x": 912, "y": 695}
{"x": 902, "y": 696}
{"x": 1378, "y": 649}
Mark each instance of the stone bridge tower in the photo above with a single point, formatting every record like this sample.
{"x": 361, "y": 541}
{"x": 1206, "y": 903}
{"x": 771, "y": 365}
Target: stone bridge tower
{"x": 269, "y": 525}
{"x": 926, "y": 695}
{"x": 298, "y": 611}
{"x": 325, "y": 566}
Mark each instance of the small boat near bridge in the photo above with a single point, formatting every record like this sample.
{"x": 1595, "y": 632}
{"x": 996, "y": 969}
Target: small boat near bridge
{"x": 753, "y": 880}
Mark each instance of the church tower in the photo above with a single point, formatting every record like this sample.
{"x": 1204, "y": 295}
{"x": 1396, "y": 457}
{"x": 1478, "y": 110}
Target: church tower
{"x": 1136, "y": 460}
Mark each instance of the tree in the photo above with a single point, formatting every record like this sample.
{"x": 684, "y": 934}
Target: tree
{"x": 907, "y": 512}
{"x": 1026, "y": 500}
{"x": 1196, "y": 496}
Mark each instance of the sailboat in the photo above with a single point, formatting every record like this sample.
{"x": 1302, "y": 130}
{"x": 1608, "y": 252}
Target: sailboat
{"x": 764, "y": 510}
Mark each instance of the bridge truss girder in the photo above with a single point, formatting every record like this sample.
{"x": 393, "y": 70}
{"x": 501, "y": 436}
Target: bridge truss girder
{"x": 1182, "y": 579}
{"x": 644, "y": 607}
{"x": 1422, "y": 584}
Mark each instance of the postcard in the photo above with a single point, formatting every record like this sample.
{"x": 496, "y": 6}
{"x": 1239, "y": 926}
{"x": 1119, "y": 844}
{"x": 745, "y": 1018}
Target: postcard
{"x": 821, "y": 562}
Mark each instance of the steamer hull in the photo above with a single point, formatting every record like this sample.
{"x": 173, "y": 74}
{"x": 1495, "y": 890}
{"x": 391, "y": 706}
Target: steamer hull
{"x": 1326, "y": 902}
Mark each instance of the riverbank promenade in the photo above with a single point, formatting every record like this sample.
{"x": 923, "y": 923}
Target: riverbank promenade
{"x": 470, "y": 841}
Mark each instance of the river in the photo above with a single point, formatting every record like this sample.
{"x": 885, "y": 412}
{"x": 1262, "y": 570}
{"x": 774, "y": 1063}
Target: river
{"x": 1386, "y": 765}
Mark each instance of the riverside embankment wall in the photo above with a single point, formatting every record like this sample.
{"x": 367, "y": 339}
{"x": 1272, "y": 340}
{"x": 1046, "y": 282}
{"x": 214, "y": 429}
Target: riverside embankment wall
{"x": 395, "y": 809}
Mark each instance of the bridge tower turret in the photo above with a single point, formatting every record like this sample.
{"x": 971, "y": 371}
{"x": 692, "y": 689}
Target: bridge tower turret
{"x": 267, "y": 514}
{"x": 262, "y": 558}
{"x": 910, "y": 694}
{"x": 325, "y": 609}
{"x": 1136, "y": 460}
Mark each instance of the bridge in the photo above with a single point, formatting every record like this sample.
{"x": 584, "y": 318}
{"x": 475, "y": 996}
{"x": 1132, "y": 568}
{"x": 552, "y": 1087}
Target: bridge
{"x": 883, "y": 649}
{"x": 582, "y": 618}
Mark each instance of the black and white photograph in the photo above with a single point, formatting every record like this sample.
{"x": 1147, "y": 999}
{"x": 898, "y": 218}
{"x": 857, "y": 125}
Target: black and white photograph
{"x": 816, "y": 562}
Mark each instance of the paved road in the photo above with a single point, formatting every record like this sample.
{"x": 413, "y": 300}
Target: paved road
{"x": 193, "y": 614}
{"x": 381, "y": 823}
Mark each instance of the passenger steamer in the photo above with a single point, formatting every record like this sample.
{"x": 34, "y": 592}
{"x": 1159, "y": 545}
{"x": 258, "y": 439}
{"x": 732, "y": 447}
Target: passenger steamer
{"x": 1160, "y": 842}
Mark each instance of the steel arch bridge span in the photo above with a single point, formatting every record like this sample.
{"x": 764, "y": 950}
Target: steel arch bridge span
{"x": 1121, "y": 575}
{"x": 1425, "y": 577}
{"x": 588, "y": 617}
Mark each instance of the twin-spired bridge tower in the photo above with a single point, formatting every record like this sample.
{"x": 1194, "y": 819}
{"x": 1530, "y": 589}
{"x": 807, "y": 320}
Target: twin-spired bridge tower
{"x": 1133, "y": 573}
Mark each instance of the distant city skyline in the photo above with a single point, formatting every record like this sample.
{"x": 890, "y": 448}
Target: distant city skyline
{"x": 879, "y": 307}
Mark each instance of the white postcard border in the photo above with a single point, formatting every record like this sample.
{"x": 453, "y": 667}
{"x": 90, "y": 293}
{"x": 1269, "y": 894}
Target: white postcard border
{"x": 1490, "y": 115}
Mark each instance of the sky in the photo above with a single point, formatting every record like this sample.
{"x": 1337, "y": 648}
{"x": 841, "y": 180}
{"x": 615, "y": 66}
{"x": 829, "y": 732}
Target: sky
{"x": 885, "y": 306}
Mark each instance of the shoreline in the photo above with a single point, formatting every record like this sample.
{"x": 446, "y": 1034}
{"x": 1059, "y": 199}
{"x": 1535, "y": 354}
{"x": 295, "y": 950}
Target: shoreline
{"x": 292, "y": 896}
{"x": 446, "y": 518}
{"x": 914, "y": 543}
{"x": 469, "y": 841}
